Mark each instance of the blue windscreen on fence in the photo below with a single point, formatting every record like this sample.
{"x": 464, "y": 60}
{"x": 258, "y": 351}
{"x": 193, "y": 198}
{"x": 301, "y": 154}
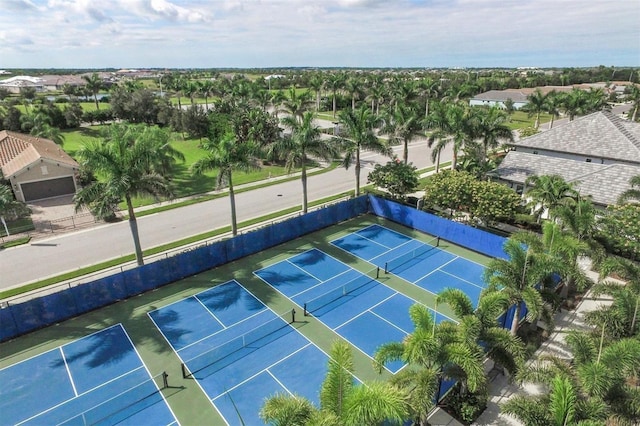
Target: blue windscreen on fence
{"x": 467, "y": 236}
{"x": 20, "y": 318}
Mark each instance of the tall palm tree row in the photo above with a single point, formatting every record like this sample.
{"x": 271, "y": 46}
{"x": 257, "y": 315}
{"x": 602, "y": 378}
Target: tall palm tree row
{"x": 93, "y": 83}
{"x": 449, "y": 124}
{"x": 130, "y": 161}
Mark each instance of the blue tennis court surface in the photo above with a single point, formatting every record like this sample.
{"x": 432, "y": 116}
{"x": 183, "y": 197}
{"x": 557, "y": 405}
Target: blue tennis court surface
{"x": 239, "y": 351}
{"x": 425, "y": 265}
{"x": 99, "y": 379}
{"x": 359, "y": 308}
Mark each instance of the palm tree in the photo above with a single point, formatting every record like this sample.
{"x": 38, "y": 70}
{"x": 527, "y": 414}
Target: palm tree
{"x": 341, "y": 401}
{"x": 432, "y": 352}
{"x": 481, "y": 325}
{"x": 277, "y": 98}
{"x": 449, "y": 123}
{"x": 629, "y": 294}
{"x": 360, "y": 134}
{"x": 352, "y": 87}
{"x": 304, "y": 142}
{"x": 519, "y": 275}
{"x": 552, "y": 106}
{"x": 548, "y": 192}
{"x": 490, "y": 127}
{"x": 574, "y": 103}
{"x": 376, "y": 96}
{"x": 127, "y": 163}
{"x": 227, "y": 155}
{"x": 296, "y": 104}
{"x": 632, "y": 194}
{"x": 402, "y": 125}
{"x": 536, "y": 104}
{"x": 206, "y": 89}
{"x": 93, "y": 85}
{"x": 632, "y": 93}
{"x": 9, "y": 206}
{"x": 335, "y": 83}
{"x": 316, "y": 83}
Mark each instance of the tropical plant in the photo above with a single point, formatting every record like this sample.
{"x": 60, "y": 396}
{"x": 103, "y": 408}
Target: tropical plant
{"x": 130, "y": 161}
{"x": 93, "y": 84}
{"x": 296, "y": 104}
{"x": 10, "y": 207}
{"x": 520, "y": 276}
{"x": 633, "y": 193}
{"x": 449, "y": 124}
{"x": 360, "y": 134}
{"x": 402, "y": 124}
{"x": 316, "y": 83}
{"x": 632, "y": 93}
{"x": 489, "y": 126}
{"x": 548, "y": 192}
{"x": 342, "y": 402}
{"x": 303, "y": 143}
{"x": 553, "y": 105}
{"x": 227, "y": 155}
{"x": 536, "y": 105}
{"x": 618, "y": 230}
{"x": 432, "y": 352}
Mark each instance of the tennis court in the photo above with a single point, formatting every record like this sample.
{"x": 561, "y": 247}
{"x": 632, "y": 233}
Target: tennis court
{"x": 239, "y": 351}
{"x": 425, "y": 265}
{"x": 99, "y": 379}
{"x": 354, "y": 305}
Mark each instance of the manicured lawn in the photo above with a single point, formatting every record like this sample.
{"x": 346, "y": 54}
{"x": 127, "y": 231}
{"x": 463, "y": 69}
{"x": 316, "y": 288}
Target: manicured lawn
{"x": 185, "y": 184}
{"x": 520, "y": 120}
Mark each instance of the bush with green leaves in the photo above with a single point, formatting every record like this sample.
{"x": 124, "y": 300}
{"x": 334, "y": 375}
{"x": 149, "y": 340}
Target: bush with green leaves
{"x": 397, "y": 178}
{"x": 483, "y": 201}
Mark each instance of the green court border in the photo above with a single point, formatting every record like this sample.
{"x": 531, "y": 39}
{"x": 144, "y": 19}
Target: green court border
{"x": 190, "y": 405}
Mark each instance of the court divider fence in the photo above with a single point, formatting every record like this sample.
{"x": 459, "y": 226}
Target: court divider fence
{"x": 23, "y": 314}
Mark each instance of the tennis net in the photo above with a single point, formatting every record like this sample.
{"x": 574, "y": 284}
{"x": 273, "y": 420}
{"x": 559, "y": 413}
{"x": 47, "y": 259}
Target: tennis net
{"x": 211, "y": 356}
{"x": 407, "y": 257}
{"x": 335, "y": 294}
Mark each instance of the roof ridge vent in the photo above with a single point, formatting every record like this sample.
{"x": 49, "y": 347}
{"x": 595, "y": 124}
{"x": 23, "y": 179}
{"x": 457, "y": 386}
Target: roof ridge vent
{"x": 617, "y": 121}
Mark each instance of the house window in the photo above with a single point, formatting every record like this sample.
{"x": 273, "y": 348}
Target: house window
{"x": 44, "y": 170}
{"x": 535, "y": 152}
{"x": 588, "y": 160}
{"x": 519, "y": 189}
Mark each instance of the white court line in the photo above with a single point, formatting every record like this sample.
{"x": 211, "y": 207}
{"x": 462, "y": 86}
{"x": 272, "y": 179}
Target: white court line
{"x": 66, "y": 365}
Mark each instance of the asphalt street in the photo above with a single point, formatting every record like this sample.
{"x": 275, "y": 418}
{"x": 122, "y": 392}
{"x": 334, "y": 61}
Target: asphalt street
{"x": 68, "y": 252}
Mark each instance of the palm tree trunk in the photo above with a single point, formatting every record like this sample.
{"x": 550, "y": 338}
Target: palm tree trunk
{"x": 454, "y": 159}
{"x": 334, "y": 104}
{"x": 6, "y": 230}
{"x": 438, "y": 162}
{"x": 516, "y": 320}
{"x": 405, "y": 153}
{"x": 133, "y": 224}
{"x": 426, "y": 109}
{"x": 232, "y": 201}
{"x": 95, "y": 98}
{"x": 304, "y": 188}
{"x": 353, "y": 103}
{"x": 635, "y": 314}
{"x": 357, "y": 192}
{"x": 552, "y": 120}
{"x": 635, "y": 113}
{"x": 318, "y": 100}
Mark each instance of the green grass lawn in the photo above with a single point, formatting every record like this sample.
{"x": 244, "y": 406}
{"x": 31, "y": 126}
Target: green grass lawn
{"x": 185, "y": 183}
{"x": 520, "y": 120}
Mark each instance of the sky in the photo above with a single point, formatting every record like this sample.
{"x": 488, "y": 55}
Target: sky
{"x": 314, "y": 33}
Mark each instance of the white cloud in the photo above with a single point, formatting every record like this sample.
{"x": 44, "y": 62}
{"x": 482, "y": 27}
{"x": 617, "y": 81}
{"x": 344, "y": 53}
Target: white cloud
{"x": 162, "y": 9}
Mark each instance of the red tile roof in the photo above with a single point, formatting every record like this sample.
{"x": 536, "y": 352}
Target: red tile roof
{"x": 18, "y": 151}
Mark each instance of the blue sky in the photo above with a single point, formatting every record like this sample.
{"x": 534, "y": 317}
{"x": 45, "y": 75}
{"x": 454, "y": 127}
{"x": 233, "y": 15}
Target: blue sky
{"x": 340, "y": 33}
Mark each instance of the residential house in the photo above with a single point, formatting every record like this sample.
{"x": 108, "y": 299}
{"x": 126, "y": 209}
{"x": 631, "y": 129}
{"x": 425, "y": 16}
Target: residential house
{"x": 599, "y": 153}
{"x": 37, "y": 168}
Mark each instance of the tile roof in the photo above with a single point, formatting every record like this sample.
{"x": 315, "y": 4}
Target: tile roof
{"x": 501, "y": 95}
{"x": 604, "y": 182}
{"x": 18, "y": 151}
{"x": 598, "y": 135}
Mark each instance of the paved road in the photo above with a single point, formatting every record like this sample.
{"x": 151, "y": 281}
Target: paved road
{"x": 68, "y": 252}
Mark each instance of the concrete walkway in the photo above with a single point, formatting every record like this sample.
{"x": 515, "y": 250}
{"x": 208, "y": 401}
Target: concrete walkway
{"x": 500, "y": 390}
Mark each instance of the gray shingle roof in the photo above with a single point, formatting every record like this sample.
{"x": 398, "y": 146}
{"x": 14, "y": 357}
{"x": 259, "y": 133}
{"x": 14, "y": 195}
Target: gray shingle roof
{"x": 604, "y": 182}
{"x": 597, "y": 135}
